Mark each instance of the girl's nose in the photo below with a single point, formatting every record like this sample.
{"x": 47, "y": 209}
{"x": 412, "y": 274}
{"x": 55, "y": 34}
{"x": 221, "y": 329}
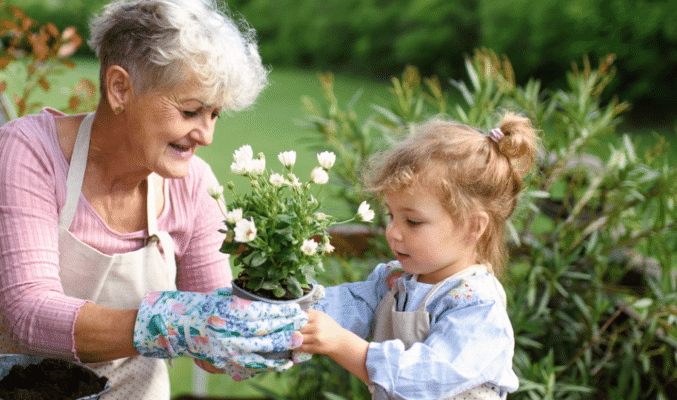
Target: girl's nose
{"x": 392, "y": 232}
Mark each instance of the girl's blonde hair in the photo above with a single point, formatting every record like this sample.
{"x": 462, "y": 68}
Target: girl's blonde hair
{"x": 468, "y": 170}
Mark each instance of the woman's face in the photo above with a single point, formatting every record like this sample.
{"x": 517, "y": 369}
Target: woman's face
{"x": 165, "y": 128}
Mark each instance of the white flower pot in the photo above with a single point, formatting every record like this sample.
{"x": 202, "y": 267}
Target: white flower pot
{"x": 304, "y": 302}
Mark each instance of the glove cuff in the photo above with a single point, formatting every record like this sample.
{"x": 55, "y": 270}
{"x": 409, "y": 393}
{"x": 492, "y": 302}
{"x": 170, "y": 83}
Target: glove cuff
{"x": 151, "y": 334}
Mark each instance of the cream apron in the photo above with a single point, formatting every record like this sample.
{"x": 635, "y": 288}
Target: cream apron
{"x": 117, "y": 281}
{"x": 413, "y": 326}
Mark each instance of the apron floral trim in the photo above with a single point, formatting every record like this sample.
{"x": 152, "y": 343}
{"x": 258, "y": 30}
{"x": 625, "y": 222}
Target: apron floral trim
{"x": 463, "y": 290}
{"x": 395, "y": 271}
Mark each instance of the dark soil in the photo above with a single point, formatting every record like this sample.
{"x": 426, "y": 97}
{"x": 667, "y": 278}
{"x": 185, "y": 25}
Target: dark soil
{"x": 242, "y": 280}
{"x": 50, "y": 379}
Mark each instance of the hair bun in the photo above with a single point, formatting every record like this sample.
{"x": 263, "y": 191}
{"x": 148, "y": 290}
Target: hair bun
{"x": 519, "y": 142}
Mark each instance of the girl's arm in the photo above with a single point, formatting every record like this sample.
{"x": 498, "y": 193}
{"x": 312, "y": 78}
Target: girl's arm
{"x": 322, "y": 335}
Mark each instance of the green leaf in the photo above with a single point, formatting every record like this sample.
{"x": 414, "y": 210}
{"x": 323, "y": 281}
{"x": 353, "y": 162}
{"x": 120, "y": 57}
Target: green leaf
{"x": 259, "y": 259}
{"x": 294, "y": 287}
{"x": 278, "y": 291}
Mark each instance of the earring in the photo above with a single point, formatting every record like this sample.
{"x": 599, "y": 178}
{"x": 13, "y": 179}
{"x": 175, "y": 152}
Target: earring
{"x": 118, "y": 110}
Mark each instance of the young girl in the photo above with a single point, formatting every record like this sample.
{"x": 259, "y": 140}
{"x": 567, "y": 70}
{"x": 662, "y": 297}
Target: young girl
{"x": 437, "y": 314}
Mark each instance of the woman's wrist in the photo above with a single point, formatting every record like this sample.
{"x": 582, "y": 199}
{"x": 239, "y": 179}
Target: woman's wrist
{"x": 104, "y": 334}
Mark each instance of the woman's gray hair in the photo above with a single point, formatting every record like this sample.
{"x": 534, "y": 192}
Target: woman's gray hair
{"x": 159, "y": 42}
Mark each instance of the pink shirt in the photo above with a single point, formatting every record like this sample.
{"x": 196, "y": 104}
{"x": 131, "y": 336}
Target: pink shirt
{"x": 33, "y": 171}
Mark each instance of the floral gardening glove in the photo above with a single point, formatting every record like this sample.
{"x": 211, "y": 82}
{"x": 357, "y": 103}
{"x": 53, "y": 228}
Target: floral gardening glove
{"x": 219, "y": 328}
{"x": 302, "y": 356}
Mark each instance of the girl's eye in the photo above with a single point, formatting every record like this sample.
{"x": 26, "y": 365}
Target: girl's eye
{"x": 413, "y": 223}
{"x": 389, "y": 216}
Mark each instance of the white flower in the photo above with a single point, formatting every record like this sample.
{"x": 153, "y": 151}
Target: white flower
{"x": 293, "y": 181}
{"x": 309, "y": 247}
{"x": 319, "y": 176}
{"x": 287, "y": 158}
{"x": 326, "y": 159}
{"x": 328, "y": 248}
{"x": 245, "y": 231}
{"x": 240, "y": 168}
{"x": 215, "y": 191}
{"x": 320, "y": 216}
{"x": 243, "y": 155}
{"x": 257, "y": 167}
{"x": 233, "y": 217}
{"x": 276, "y": 180}
{"x": 364, "y": 213}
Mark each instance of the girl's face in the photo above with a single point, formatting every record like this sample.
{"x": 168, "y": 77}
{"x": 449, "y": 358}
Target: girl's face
{"x": 423, "y": 236}
{"x": 166, "y": 128}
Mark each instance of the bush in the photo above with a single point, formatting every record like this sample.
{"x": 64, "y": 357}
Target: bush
{"x": 591, "y": 282}
{"x": 378, "y": 39}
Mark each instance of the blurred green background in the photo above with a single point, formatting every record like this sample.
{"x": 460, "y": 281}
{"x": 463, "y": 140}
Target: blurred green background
{"x": 377, "y": 38}
{"x": 366, "y": 42}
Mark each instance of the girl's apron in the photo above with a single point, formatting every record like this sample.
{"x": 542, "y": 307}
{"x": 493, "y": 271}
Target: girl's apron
{"x": 413, "y": 326}
{"x": 117, "y": 281}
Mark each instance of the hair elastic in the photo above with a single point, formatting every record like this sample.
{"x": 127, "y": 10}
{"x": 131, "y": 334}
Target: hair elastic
{"x": 496, "y": 134}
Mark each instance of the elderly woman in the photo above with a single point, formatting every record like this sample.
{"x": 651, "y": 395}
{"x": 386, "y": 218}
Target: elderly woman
{"x": 109, "y": 240}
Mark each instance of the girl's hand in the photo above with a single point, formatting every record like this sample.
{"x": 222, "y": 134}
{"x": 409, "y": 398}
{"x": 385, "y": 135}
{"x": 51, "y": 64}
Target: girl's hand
{"x": 322, "y": 334}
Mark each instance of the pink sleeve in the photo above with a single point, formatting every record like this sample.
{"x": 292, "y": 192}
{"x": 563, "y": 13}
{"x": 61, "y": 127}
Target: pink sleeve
{"x": 202, "y": 267}
{"x": 35, "y": 313}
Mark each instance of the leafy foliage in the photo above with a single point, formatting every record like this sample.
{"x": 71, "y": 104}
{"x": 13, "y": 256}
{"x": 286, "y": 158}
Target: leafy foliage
{"x": 591, "y": 283}
{"x": 42, "y": 51}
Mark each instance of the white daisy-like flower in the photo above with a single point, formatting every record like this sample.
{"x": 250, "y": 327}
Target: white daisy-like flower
{"x": 257, "y": 167}
{"x": 364, "y": 213}
{"x": 276, "y": 180}
{"x": 287, "y": 158}
{"x": 319, "y": 176}
{"x": 234, "y": 216}
{"x": 320, "y": 216}
{"x": 309, "y": 247}
{"x": 243, "y": 155}
{"x": 326, "y": 159}
{"x": 240, "y": 168}
{"x": 328, "y": 248}
{"x": 293, "y": 181}
{"x": 245, "y": 231}
{"x": 215, "y": 191}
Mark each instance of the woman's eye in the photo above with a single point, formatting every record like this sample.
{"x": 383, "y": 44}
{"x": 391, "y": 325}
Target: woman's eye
{"x": 190, "y": 114}
{"x": 413, "y": 223}
{"x": 215, "y": 115}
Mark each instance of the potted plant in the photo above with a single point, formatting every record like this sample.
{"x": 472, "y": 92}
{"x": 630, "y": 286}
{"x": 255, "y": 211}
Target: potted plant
{"x": 277, "y": 233}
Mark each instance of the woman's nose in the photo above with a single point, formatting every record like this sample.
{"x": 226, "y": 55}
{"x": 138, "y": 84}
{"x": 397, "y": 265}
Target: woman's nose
{"x": 204, "y": 133}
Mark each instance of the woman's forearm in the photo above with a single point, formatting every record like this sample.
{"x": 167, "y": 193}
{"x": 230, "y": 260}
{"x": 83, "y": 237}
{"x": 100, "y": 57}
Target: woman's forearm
{"x": 103, "y": 334}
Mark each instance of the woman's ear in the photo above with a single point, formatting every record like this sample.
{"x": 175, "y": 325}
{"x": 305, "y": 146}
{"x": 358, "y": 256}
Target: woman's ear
{"x": 118, "y": 88}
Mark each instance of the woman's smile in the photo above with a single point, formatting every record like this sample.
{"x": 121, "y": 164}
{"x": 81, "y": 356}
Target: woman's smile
{"x": 182, "y": 150}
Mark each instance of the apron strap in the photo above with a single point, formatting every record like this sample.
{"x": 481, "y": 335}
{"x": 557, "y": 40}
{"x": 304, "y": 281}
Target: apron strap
{"x": 76, "y": 172}
{"x": 472, "y": 270}
{"x": 154, "y": 235}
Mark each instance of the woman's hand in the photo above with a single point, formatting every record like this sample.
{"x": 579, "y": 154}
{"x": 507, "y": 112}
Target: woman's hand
{"x": 219, "y": 328}
{"x": 322, "y": 335}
